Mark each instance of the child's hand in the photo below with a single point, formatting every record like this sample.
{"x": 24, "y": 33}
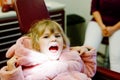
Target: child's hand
{"x": 80, "y": 49}
{"x": 11, "y": 63}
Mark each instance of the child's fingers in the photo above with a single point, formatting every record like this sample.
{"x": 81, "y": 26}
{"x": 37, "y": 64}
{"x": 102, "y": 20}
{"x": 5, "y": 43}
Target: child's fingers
{"x": 11, "y": 63}
{"x": 90, "y": 48}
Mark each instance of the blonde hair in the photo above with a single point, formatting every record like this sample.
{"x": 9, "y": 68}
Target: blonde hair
{"x": 38, "y": 29}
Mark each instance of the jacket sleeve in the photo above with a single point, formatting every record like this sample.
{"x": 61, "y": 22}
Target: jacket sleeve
{"x": 73, "y": 60}
{"x": 24, "y": 40}
{"x": 89, "y": 60}
{"x": 16, "y": 74}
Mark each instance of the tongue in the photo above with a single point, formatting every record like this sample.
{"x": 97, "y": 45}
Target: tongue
{"x": 53, "y": 51}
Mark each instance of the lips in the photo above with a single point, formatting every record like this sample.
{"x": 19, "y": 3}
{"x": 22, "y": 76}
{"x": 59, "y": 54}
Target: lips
{"x": 53, "y": 49}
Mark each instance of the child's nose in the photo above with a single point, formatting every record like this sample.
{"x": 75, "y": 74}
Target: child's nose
{"x": 53, "y": 38}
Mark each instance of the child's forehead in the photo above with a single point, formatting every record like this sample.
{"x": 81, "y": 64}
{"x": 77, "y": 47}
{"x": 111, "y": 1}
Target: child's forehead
{"x": 52, "y": 30}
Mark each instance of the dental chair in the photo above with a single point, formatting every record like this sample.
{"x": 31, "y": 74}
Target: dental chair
{"x": 30, "y": 11}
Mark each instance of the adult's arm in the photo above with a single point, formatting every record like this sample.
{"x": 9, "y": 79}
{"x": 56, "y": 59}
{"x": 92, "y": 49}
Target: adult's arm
{"x": 97, "y": 15}
{"x": 117, "y": 26}
{"x": 98, "y": 18}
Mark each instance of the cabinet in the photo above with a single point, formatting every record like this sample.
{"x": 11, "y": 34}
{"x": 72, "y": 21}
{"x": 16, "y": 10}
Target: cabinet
{"x": 58, "y": 16}
{"x": 10, "y": 31}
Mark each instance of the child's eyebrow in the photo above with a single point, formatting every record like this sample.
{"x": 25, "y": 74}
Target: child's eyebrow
{"x": 57, "y": 33}
{"x": 46, "y": 34}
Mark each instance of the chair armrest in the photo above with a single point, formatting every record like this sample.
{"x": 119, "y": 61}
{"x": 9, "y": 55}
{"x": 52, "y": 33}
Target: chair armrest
{"x": 106, "y": 74}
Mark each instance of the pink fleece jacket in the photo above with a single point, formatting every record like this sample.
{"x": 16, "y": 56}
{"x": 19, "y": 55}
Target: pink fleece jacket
{"x": 37, "y": 66}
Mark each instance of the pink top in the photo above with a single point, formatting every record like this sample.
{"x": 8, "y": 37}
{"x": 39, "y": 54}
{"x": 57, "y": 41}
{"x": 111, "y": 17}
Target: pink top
{"x": 37, "y": 66}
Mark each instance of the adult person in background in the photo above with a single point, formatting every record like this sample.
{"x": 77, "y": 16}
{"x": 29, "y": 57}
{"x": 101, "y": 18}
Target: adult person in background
{"x": 105, "y": 23}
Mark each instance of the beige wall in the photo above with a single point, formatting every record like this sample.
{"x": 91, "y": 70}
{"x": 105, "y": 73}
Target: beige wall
{"x": 80, "y": 7}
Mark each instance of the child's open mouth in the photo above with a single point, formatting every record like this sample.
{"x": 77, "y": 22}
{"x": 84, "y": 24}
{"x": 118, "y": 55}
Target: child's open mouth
{"x": 53, "y": 49}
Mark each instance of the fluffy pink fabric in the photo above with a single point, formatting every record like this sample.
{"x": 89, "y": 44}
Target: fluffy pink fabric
{"x": 37, "y": 66}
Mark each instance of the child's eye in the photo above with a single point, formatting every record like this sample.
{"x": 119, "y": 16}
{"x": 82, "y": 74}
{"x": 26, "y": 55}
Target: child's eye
{"x": 45, "y": 36}
{"x": 58, "y": 35}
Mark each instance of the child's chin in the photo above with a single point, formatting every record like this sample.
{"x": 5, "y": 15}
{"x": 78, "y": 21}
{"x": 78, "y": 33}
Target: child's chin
{"x": 54, "y": 57}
